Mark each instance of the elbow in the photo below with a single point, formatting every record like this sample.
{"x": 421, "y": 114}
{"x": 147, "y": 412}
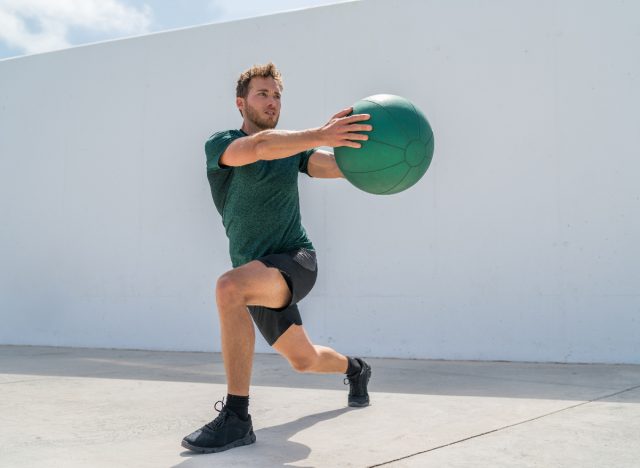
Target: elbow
{"x": 260, "y": 146}
{"x": 259, "y": 150}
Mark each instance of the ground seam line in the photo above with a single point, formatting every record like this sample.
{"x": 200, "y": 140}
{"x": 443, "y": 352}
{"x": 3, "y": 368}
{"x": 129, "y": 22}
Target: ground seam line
{"x": 506, "y": 427}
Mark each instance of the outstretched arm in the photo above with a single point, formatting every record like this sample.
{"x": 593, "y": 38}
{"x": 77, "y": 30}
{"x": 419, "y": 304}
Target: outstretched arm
{"x": 277, "y": 144}
{"x": 322, "y": 165}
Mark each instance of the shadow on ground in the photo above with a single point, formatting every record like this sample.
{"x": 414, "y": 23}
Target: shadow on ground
{"x": 272, "y": 444}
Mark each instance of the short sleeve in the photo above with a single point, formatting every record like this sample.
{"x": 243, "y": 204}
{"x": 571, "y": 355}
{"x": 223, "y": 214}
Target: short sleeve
{"x": 215, "y": 147}
{"x": 304, "y": 160}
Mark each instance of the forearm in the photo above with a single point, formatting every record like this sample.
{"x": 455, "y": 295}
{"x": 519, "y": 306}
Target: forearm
{"x": 322, "y": 165}
{"x": 333, "y": 173}
{"x": 278, "y": 144}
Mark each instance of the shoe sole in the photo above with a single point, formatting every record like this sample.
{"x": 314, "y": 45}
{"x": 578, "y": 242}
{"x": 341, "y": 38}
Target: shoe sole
{"x": 355, "y": 404}
{"x": 246, "y": 440}
{"x": 361, "y": 404}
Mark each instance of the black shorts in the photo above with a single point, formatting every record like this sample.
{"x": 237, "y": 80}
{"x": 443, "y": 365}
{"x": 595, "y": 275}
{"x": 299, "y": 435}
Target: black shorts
{"x": 300, "y": 270}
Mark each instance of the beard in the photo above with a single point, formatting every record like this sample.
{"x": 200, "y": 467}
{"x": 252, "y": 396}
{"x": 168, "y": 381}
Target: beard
{"x": 261, "y": 120}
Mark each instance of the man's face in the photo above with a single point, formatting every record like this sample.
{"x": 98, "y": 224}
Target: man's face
{"x": 262, "y": 104}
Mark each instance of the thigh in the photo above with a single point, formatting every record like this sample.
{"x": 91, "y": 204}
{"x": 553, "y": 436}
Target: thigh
{"x": 260, "y": 285}
{"x": 299, "y": 269}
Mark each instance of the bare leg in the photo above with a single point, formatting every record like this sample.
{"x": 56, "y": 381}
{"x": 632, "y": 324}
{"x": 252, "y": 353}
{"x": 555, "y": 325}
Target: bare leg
{"x": 238, "y": 344}
{"x": 252, "y": 283}
{"x": 329, "y": 361}
{"x": 296, "y": 347}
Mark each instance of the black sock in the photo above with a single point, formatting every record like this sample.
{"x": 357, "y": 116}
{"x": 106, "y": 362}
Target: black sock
{"x": 354, "y": 366}
{"x": 239, "y": 405}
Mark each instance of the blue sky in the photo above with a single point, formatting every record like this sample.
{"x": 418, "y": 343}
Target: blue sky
{"x": 35, "y": 26}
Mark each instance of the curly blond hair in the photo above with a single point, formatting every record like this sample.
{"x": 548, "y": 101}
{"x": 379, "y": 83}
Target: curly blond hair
{"x": 267, "y": 70}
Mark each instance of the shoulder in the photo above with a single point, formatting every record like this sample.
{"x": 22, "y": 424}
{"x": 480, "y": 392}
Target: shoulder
{"x": 224, "y": 135}
{"x": 220, "y": 140}
{"x": 216, "y": 145}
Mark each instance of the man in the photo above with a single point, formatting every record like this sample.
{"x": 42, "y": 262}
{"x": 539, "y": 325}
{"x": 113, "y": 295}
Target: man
{"x": 253, "y": 174}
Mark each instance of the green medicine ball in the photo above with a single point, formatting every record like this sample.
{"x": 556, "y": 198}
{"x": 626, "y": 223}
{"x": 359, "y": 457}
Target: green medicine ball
{"x": 398, "y": 151}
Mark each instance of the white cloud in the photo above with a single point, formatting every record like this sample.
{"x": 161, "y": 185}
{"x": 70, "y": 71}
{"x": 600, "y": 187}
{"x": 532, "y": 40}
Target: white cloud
{"x": 42, "y": 25}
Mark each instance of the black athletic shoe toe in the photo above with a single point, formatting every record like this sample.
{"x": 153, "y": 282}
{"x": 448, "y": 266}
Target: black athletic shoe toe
{"x": 358, "y": 395}
{"x": 223, "y": 433}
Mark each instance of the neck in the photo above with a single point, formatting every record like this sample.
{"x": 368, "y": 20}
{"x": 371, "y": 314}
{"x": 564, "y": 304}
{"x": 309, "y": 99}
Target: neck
{"x": 249, "y": 128}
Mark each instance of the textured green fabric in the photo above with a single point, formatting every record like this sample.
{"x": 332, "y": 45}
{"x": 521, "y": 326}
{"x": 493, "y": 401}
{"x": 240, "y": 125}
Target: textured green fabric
{"x": 258, "y": 202}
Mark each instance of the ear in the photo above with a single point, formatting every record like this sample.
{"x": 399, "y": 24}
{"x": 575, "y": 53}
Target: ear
{"x": 240, "y": 104}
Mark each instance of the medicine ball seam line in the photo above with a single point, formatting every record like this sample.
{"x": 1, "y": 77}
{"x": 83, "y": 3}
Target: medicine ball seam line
{"x": 410, "y": 169}
{"x": 396, "y": 119}
{"x": 393, "y": 165}
{"x": 403, "y": 177}
{"x": 388, "y": 144}
{"x": 376, "y": 170}
{"x": 393, "y": 119}
{"x": 429, "y": 140}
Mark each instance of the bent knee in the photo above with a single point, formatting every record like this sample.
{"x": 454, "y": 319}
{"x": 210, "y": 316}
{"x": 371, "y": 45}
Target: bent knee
{"x": 228, "y": 289}
{"x": 304, "y": 364}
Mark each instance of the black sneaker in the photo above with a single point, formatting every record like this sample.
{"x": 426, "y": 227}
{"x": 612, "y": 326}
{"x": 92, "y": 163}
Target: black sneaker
{"x": 358, "y": 395}
{"x": 225, "y": 432}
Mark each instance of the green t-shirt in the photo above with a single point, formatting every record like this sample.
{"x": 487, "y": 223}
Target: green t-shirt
{"x": 258, "y": 202}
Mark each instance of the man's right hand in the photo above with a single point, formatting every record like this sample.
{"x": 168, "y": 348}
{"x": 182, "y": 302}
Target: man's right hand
{"x": 340, "y": 129}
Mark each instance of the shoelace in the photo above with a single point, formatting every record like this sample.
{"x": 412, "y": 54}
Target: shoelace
{"x": 222, "y": 416}
{"x": 356, "y": 385}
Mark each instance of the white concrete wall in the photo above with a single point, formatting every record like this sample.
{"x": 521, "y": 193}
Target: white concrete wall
{"x": 521, "y": 242}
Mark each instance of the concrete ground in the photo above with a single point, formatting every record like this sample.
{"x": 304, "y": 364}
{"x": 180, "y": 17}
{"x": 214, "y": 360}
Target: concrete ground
{"x": 71, "y": 407}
